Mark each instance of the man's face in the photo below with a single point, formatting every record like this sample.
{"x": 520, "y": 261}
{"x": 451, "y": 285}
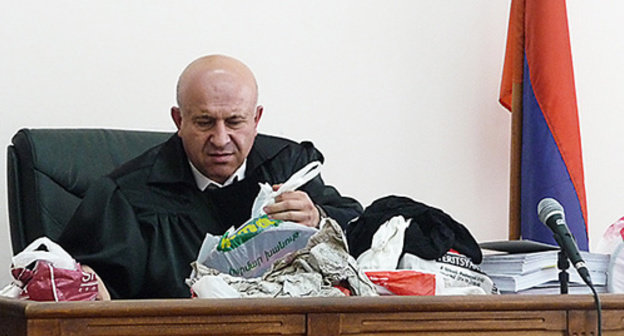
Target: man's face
{"x": 218, "y": 124}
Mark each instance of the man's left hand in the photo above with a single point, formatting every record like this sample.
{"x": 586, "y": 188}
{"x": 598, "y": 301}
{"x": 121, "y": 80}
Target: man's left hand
{"x": 294, "y": 206}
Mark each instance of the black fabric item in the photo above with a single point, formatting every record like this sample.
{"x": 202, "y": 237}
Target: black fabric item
{"x": 430, "y": 234}
{"x": 141, "y": 226}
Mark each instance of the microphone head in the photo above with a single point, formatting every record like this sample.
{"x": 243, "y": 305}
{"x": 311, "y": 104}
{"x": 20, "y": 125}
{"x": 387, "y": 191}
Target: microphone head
{"x": 548, "y": 207}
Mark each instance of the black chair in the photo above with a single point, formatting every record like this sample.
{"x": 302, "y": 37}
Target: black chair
{"x": 49, "y": 171}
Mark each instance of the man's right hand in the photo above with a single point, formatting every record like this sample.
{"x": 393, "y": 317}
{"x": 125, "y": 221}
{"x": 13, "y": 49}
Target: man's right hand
{"x": 294, "y": 206}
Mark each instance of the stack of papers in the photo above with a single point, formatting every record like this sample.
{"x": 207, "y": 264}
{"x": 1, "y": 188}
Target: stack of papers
{"x": 553, "y": 287}
{"x": 536, "y": 272}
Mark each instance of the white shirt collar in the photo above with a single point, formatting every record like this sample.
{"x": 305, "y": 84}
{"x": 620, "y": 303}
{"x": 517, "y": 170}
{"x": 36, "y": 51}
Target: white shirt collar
{"x": 203, "y": 182}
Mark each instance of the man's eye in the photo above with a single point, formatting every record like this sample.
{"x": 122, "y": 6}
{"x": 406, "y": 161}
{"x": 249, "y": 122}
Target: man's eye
{"x": 235, "y": 122}
{"x": 203, "y": 123}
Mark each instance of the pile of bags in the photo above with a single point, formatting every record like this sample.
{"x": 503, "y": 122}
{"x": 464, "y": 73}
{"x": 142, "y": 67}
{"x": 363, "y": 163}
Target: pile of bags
{"x": 402, "y": 248}
{"x": 274, "y": 258}
{"x": 322, "y": 268}
{"x": 409, "y": 248}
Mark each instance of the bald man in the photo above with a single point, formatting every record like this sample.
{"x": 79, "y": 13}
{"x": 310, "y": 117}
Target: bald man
{"x": 141, "y": 226}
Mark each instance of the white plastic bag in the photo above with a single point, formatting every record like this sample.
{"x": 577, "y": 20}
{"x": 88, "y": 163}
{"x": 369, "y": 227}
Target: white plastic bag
{"x": 386, "y": 247}
{"x": 250, "y": 250}
{"x": 455, "y": 273}
{"x": 612, "y": 242}
{"x": 213, "y": 287}
{"x": 267, "y": 196}
{"x": 51, "y": 252}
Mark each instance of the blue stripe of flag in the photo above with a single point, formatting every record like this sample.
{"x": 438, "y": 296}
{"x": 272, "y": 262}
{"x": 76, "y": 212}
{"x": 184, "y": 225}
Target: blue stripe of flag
{"x": 544, "y": 174}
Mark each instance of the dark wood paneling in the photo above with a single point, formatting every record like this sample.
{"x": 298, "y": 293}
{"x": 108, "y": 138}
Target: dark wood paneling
{"x": 433, "y": 315}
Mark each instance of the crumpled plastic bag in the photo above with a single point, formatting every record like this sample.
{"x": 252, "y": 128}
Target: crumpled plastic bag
{"x": 403, "y": 282}
{"x": 386, "y": 247}
{"x": 612, "y": 242}
{"x": 44, "y": 271}
{"x": 250, "y": 250}
{"x": 212, "y": 286}
{"x": 455, "y": 274}
{"x": 318, "y": 270}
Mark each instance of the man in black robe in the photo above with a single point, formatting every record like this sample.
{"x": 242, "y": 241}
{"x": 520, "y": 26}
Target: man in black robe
{"x": 141, "y": 226}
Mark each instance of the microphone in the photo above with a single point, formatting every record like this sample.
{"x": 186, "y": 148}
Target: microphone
{"x": 550, "y": 212}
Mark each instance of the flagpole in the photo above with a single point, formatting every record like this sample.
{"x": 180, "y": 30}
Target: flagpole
{"x": 517, "y": 29}
{"x": 515, "y": 161}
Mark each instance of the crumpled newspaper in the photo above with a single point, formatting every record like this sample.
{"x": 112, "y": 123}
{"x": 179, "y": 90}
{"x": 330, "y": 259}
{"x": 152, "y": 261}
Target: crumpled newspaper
{"x": 312, "y": 271}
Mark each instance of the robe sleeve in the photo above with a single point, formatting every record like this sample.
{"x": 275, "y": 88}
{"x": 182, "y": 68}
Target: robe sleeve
{"x": 105, "y": 234}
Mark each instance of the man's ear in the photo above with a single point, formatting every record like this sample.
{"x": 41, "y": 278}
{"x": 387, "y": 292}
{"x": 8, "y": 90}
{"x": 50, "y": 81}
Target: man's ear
{"x": 259, "y": 110}
{"x": 176, "y": 116}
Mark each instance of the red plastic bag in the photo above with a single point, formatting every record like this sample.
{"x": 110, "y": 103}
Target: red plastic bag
{"x": 45, "y": 272}
{"x": 48, "y": 283}
{"x": 403, "y": 282}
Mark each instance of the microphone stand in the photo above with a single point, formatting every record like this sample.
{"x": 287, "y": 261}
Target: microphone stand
{"x": 564, "y": 277}
{"x": 563, "y": 263}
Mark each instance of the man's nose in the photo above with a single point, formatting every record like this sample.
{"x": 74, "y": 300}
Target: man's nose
{"x": 220, "y": 136}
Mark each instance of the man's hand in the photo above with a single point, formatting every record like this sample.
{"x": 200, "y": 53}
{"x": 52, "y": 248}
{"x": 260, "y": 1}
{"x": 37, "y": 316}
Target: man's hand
{"x": 103, "y": 294}
{"x": 294, "y": 206}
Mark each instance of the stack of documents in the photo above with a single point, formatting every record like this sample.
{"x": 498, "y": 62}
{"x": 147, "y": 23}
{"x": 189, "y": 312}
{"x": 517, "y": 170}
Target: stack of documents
{"x": 536, "y": 272}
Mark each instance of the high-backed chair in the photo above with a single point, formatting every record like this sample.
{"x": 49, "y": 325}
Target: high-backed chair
{"x": 49, "y": 171}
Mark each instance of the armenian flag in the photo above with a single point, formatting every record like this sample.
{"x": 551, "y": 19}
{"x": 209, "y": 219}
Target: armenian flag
{"x": 538, "y": 88}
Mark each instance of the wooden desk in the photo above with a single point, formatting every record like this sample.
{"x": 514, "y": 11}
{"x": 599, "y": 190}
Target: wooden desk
{"x": 458, "y": 315}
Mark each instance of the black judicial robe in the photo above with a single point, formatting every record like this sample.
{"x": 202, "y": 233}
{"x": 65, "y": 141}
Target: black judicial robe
{"x": 141, "y": 226}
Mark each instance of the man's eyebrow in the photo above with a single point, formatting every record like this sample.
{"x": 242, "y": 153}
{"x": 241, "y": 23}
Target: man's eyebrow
{"x": 202, "y": 116}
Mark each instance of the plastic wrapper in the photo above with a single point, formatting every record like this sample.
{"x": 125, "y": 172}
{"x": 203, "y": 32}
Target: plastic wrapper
{"x": 612, "y": 242}
{"x": 386, "y": 246}
{"x": 403, "y": 282}
{"x": 43, "y": 271}
{"x": 455, "y": 274}
{"x": 250, "y": 250}
{"x": 324, "y": 268}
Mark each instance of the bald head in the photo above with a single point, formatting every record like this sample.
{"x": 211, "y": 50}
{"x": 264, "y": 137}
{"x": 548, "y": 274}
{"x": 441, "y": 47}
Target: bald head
{"x": 217, "y": 114}
{"x": 217, "y": 72}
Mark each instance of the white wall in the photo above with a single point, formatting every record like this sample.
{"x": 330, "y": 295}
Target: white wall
{"x": 401, "y": 96}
